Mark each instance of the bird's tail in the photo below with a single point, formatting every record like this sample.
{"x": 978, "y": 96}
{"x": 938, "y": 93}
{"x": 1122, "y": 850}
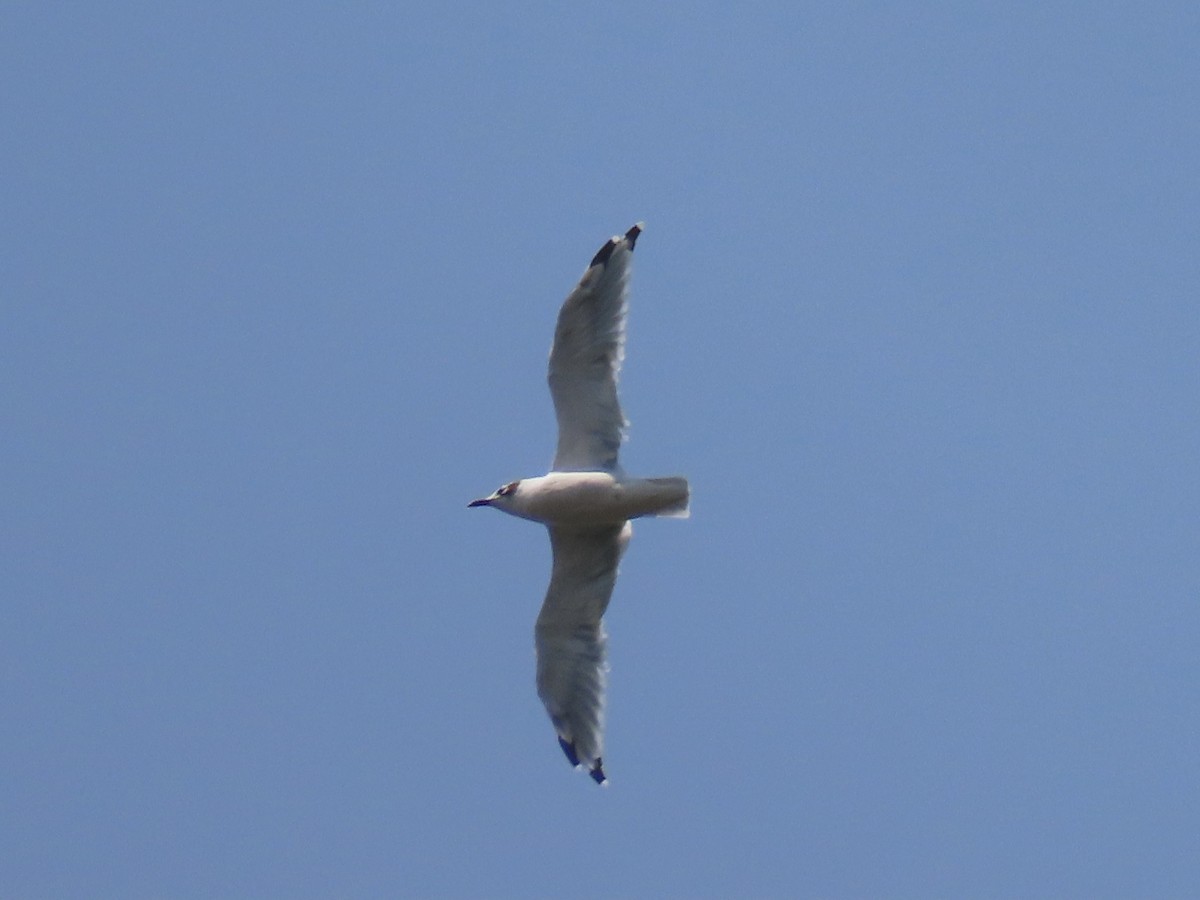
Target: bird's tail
{"x": 676, "y": 497}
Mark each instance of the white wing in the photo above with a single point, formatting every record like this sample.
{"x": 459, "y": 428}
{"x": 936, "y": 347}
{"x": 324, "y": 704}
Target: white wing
{"x": 570, "y": 638}
{"x": 589, "y": 346}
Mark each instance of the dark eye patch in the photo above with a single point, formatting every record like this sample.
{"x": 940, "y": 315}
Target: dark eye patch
{"x": 508, "y": 488}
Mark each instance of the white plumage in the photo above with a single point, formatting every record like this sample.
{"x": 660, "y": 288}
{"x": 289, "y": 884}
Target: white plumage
{"x": 586, "y": 502}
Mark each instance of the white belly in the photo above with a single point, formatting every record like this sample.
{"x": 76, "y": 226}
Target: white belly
{"x": 597, "y": 498}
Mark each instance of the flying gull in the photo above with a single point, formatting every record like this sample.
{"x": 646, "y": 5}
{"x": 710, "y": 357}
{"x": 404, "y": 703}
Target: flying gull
{"x": 586, "y": 502}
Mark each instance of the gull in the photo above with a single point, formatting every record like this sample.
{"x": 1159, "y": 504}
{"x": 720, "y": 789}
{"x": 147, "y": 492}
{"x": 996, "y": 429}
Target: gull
{"x": 586, "y": 502}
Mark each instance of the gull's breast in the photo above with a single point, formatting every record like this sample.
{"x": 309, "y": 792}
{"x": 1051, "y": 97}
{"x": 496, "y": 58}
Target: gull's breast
{"x": 588, "y": 498}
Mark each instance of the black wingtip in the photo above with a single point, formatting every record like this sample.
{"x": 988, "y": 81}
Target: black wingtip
{"x": 603, "y": 254}
{"x": 597, "y": 773}
{"x": 569, "y": 749}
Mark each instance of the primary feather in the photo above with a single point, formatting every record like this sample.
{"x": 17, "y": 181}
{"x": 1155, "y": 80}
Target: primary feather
{"x": 570, "y": 637}
{"x": 585, "y": 361}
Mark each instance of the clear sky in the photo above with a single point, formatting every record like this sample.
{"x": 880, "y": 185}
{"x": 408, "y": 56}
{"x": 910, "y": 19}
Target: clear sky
{"x": 917, "y": 310}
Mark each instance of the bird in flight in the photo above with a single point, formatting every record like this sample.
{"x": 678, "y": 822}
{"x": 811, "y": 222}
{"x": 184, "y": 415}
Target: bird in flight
{"x": 586, "y": 502}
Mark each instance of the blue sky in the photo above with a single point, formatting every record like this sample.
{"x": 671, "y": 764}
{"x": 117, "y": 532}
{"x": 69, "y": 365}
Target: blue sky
{"x": 915, "y": 310}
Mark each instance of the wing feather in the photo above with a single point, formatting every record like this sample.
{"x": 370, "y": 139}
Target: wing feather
{"x": 585, "y": 361}
{"x": 570, "y": 638}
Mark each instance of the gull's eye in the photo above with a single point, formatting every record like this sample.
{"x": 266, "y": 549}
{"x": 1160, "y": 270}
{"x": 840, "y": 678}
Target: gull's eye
{"x": 508, "y": 488}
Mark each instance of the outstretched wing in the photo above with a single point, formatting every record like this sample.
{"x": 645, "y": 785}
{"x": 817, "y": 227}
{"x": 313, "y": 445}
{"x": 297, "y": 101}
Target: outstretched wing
{"x": 589, "y": 346}
{"x": 570, "y": 638}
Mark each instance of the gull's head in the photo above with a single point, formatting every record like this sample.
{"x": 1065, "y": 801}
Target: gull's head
{"x": 500, "y": 498}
